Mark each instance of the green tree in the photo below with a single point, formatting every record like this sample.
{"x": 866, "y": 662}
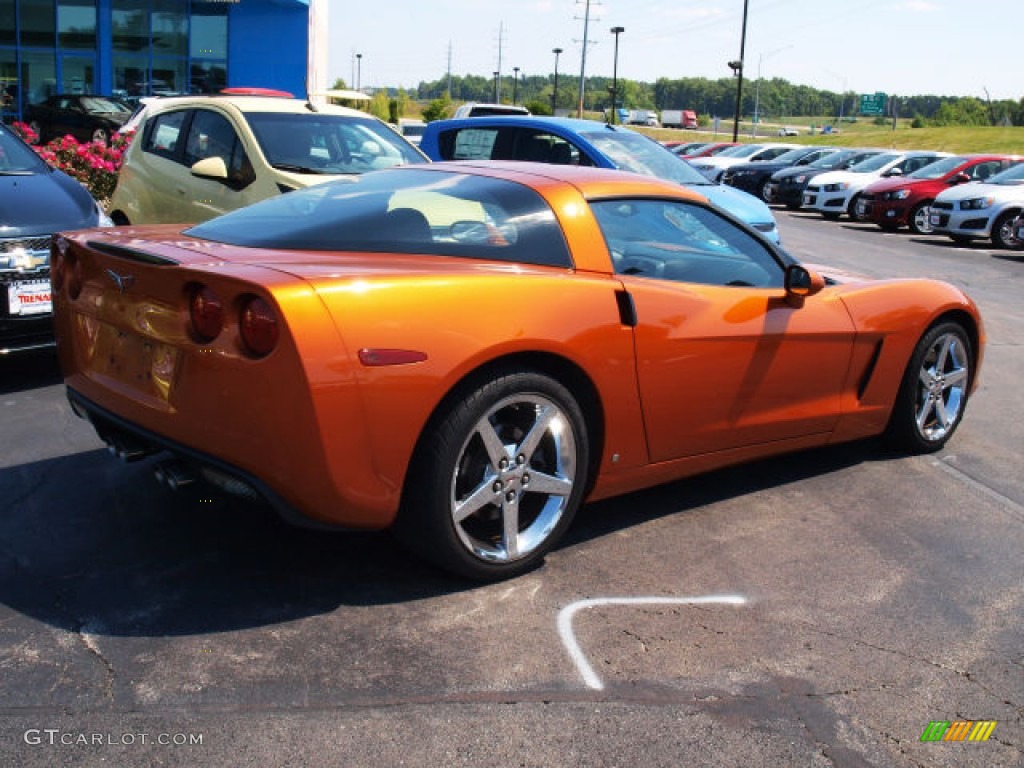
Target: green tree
{"x": 438, "y": 109}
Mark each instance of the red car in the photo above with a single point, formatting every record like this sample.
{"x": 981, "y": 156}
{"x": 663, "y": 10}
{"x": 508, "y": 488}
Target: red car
{"x": 899, "y": 201}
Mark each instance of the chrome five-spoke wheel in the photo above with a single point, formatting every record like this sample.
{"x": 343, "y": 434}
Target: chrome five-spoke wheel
{"x": 934, "y": 392}
{"x": 942, "y": 389}
{"x": 514, "y": 478}
{"x": 497, "y": 477}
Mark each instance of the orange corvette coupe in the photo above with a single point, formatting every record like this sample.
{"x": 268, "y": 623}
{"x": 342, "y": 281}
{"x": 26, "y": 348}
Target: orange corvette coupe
{"x": 465, "y": 353}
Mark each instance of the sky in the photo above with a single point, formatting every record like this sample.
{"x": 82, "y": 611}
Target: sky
{"x": 898, "y": 47}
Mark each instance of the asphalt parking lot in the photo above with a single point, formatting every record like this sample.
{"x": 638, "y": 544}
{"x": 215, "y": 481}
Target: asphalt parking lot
{"x": 821, "y": 609}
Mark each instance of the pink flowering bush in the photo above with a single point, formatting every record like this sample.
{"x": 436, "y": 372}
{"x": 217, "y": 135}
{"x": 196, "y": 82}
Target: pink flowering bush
{"x": 93, "y": 163}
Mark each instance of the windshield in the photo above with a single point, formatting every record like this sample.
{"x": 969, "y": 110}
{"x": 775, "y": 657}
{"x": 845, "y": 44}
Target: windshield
{"x": 1011, "y": 176}
{"x": 792, "y": 155}
{"x": 16, "y": 157}
{"x": 635, "y": 152}
{"x": 98, "y": 106}
{"x": 318, "y": 142}
{"x": 874, "y": 163}
{"x": 740, "y": 150}
{"x": 938, "y": 169}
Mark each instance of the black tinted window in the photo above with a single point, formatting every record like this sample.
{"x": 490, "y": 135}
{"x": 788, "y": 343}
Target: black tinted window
{"x": 403, "y": 212}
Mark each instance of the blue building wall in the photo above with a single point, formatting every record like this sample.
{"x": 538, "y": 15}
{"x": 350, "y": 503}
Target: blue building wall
{"x": 268, "y": 44}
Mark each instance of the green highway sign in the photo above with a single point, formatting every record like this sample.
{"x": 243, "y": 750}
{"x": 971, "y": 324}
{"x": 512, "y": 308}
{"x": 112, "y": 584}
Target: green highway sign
{"x": 872, "y": 104}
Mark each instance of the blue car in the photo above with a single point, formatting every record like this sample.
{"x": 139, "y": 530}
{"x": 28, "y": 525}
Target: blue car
{"x": 584, "y": 142}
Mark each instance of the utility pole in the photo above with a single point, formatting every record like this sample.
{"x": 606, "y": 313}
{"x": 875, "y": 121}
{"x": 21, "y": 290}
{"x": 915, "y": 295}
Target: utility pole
{"x": 583, "y": 59}
{"x": 497, "y": 75}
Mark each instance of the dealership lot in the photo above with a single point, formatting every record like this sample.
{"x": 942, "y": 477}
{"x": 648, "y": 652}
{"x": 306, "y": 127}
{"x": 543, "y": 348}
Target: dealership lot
{"x": 819, "y": 609}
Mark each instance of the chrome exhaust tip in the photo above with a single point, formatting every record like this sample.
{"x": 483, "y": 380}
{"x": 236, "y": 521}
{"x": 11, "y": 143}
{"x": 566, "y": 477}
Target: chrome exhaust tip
{"x": 174, "y": 474}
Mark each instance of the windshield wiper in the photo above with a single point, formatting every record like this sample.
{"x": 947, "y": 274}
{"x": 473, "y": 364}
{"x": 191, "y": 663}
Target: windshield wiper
{"x": 295, "y": 168}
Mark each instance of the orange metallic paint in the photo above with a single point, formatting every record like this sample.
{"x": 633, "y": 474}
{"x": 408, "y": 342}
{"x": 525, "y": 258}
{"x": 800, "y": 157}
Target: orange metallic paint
{"x": 334, "y": 438}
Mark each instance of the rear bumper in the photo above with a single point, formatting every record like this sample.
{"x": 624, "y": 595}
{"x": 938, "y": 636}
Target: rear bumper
{"x": 130, "y": 442}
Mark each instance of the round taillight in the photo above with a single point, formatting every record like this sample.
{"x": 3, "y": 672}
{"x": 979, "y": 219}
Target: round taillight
{"x": 258, "y": 327}
{"x": 206, "y": 311}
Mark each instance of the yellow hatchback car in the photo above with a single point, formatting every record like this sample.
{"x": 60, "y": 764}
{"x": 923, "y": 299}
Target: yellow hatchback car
{"x": 196, "y": 157}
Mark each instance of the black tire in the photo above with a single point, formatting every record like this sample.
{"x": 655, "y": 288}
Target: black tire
{"x": 1002, "y": 232}
{"x": 475, "y": 453}
{"x": 918, "y": 220}
{"x": 765, "y": 190}
{"x": 101, "y": 136}
{"x": 851, "y": 209}
{"x": 933, "y": 394}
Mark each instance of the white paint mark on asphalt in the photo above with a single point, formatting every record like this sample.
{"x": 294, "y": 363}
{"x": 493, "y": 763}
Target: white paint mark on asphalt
{"x": 566, "y": 615}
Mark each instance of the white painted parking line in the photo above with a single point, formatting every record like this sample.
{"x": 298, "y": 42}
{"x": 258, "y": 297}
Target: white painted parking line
{"x": 566, "y": 615}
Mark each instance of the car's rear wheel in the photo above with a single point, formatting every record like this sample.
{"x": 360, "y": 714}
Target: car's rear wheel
{"x": 933, "y": 395}
{"x": 919, "y": 219}
{"x": 1002, "y": 232}
{"x": 497, "y": 477}
{"x": 101, "y": 135}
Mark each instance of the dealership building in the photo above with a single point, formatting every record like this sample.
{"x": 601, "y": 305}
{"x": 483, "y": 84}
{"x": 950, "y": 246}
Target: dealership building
{"x": 135, "y": 48}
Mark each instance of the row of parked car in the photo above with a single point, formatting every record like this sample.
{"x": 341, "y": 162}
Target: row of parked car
{"x": 966, "y": 197}
{"x": 195, "y": 157}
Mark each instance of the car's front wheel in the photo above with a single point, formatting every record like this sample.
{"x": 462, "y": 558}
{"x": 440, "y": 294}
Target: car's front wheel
{"x": 497, "y": 477}
{"x": 919, "y": 219}
{"x": 1002, "y": 232}
{"x": 933, "y": 395}
{"x": 101, "y": 136}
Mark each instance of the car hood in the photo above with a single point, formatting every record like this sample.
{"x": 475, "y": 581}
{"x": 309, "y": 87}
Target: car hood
{"x": 886, "y": 185}
{"x": 838, "y": 177}
{"x": 789, "y": 173}
{"x": 43, "y": 203}
{"x": 981, "y": 189}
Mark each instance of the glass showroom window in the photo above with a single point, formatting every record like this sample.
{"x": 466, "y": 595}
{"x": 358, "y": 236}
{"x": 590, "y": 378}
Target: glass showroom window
{"x": 76, "y": 25}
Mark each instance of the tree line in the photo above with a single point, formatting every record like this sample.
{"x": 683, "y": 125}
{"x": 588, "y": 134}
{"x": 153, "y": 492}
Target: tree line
{"x": 774, "y": 99}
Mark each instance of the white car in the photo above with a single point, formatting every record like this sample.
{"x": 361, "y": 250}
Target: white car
{"x": 712, "y": 168}
{"x": 834, "y": 193}
{"x": 982, "y": 209}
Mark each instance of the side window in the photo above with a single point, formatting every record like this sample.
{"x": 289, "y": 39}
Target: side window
{"x": 982, "y": 171}
{"x": 163, "y": 132}
{"x": 211, "y": 135}
{"x": 540, "y": 147}
{"x": 915, "y": 163}
{"x": 684, "y": 242}
{"x": 468, "y": 144}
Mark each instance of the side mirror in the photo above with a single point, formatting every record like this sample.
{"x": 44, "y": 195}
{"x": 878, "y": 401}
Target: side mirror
{"x": 802, "y": 282}
{"x": 960, "y": 178}
{"x": 211, "y": 168}
{"x": 893, "y": 172}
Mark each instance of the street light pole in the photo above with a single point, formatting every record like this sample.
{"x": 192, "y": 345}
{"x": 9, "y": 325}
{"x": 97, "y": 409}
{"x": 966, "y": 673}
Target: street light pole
{"x": 737, "y": 67}
{"x": 554, "y": 93}
{"x": 496, "y": 73}
{"x": 515, "y": 85}
{"x": 615, "y": 71}
{"x": 359, "y": 70}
